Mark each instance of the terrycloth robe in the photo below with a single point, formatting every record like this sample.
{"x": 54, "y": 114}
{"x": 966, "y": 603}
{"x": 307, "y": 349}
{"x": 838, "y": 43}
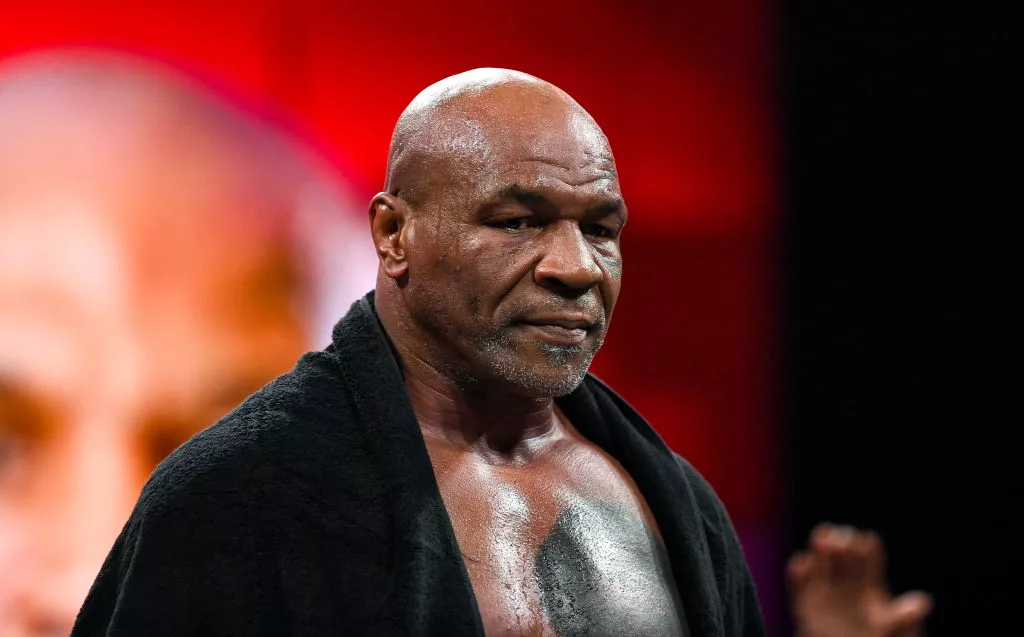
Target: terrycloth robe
{"x": 312, "y": 509}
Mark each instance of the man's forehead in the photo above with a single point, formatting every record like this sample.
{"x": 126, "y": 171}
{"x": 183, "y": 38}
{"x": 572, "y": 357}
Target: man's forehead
{"x": 489, "y": 129}
{"x": 573, "y": 156}
{"x": 571, "y": 144}
{"x": 62, "y": 249}
{"x": 563, "y": 143}
{"x": 583, "y": 175}
{"x": 524, "y": 111}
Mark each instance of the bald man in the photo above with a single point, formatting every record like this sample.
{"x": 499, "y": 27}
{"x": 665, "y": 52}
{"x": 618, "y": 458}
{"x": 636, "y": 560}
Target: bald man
{"x": 148, "y": 243}
{"x": 447, "y": 466}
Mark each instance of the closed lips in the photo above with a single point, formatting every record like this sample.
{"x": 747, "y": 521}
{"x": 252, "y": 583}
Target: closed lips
{"x": 567, "y": 322}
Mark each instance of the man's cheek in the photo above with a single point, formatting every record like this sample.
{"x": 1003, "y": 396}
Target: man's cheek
{"x": 474, "y": 303}
{"x": 611, "y": 263}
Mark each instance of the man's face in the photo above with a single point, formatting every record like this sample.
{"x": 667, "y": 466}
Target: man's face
{"x": 516, "y": 266}
{"x": 99, "y": 380}
{"x": 139, "y": 302}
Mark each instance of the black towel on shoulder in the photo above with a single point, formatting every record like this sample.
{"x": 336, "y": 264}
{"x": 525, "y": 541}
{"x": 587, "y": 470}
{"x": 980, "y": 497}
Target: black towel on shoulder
{"x": 312, "y": 509}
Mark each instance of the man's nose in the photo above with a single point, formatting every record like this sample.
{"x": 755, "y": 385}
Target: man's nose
{"x": 93, "y": 482}
{"x": 568, "y": 265}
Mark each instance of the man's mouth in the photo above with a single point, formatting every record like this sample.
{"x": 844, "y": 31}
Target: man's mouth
{"x": 560, "y": 329}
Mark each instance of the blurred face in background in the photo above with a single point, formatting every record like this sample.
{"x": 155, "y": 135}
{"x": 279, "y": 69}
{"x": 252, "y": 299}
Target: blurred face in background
{"x": 146, "y": 287}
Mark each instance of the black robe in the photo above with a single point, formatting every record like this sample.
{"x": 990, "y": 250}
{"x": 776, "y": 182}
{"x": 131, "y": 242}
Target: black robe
{"x": 312, "y": 509}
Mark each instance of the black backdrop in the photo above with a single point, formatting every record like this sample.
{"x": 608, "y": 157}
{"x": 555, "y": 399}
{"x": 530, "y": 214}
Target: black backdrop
{"x": 902, "y": 229}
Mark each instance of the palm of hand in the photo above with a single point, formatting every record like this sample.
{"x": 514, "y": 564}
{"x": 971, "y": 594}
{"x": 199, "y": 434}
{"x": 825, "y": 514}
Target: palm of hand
{"x": 837, "y": 589}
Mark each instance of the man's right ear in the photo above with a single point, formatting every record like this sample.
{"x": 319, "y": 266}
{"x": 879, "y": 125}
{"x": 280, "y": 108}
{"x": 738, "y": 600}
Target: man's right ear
{"x": 389, "y": 217}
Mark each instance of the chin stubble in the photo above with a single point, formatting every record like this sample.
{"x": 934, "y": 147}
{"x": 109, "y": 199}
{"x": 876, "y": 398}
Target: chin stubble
{"x": 572, "y": 360}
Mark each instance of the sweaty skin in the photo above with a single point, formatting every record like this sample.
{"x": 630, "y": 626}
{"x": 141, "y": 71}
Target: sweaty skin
{"x": 498, "y": 238}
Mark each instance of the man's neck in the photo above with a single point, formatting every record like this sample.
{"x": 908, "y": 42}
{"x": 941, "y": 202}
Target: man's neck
{"x": 498, "y": 426}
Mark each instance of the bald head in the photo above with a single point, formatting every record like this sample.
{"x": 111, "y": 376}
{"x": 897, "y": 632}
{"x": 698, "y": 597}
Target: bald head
{"x": 468, "y": 125}
{"x": 498, "y": 233}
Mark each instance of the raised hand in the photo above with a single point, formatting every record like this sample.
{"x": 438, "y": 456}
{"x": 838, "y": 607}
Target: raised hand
{"x": 838, "y": 589}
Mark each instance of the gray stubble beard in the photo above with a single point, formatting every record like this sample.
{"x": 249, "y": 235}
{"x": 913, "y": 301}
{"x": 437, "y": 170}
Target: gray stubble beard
{"x": 504, "y": 360}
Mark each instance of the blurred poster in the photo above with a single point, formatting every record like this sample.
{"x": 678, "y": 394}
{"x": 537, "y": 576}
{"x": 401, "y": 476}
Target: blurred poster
{"x": 163, "y": 254}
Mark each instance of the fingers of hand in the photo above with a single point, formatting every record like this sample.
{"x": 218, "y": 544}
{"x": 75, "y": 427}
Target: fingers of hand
{"x": 907, "y": 612}
{"x": 837, "y": 586}
{"x": 798, "y": 570}
{"x": 849, "y": 556}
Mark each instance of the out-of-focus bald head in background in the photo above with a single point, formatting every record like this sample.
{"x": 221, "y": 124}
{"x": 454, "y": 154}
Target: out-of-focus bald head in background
{"x": 155, "y": 268}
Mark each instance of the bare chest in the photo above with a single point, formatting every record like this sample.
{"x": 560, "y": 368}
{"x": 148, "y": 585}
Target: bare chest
{"x": 565, "y": 548}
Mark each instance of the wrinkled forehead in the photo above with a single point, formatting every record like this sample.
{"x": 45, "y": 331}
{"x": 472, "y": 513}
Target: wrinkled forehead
{"x": 532, "y": 143}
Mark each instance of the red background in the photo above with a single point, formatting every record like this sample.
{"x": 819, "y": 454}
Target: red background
{"x": 684, "y": 93}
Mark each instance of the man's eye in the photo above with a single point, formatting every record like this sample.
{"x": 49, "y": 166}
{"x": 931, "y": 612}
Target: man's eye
{"x": 597, "y": 230}
{"x": 519, "y": 223}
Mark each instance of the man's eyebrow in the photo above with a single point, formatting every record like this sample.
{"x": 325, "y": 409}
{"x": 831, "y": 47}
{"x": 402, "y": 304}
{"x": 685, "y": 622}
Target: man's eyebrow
{"x": 21, "y": 412}
{"x": 522, "y": 195}
{"x": 614, "y": 206}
